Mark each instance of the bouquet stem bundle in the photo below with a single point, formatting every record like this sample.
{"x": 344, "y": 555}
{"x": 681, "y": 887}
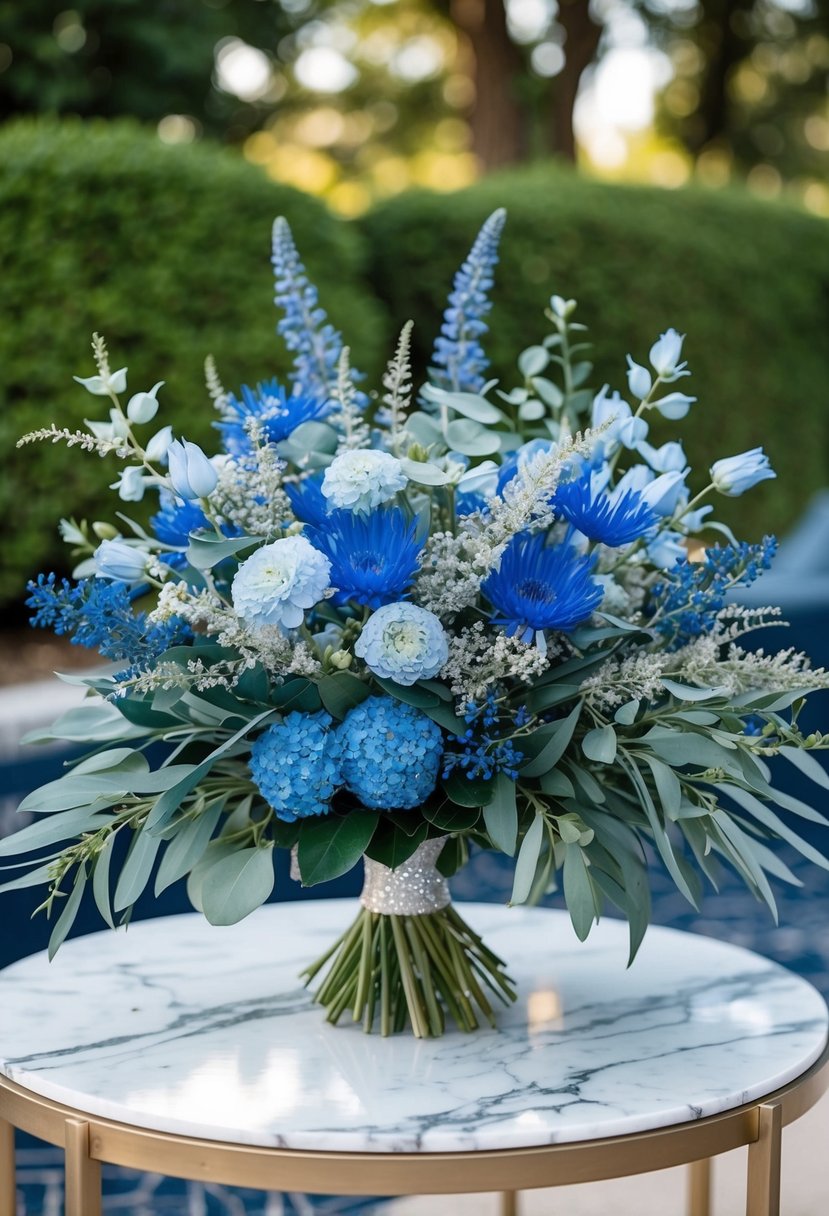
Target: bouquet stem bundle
{"x": 399, "y": 970}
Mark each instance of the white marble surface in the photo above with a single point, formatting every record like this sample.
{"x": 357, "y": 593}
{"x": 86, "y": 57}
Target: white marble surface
{"x": 185, "y": 1028}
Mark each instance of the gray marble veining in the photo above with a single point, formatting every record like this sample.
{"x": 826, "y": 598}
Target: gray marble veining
{"x": 185, "y": 1028}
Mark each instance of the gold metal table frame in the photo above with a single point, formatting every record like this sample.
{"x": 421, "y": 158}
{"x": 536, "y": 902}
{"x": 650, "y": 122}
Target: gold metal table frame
{"x": 88, "y": 1140}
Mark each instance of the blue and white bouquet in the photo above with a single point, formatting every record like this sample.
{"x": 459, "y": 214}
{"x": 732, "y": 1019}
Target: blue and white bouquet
{"x": 390, "y": 625}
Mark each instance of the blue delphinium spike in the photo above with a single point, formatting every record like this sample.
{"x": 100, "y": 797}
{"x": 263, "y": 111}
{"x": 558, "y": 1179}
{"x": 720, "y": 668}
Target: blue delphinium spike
{"x": 305, "y": 328}
{"x": 458, "y": 358}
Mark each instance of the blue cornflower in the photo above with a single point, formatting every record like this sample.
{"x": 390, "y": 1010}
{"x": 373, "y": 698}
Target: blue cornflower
{"x": 98, "y": 613}
{"x": 686, "y": 602}
{"x": 540, "y": 586}
{"x": 295, "y": 765}
{"x": 278, "y": 413}
{"x": 390, "y": 754}
{"x": 484, "y": 752}
{"x": 607, "y": 517}
{"x": 306, "y": 331}
{"x": 175, "y": 520}
{"x": 374, "y": 558}
{"x": 308, "y": 502}
{"x": 458, "y": 350}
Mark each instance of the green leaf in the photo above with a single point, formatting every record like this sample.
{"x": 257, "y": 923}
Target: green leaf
{"x": 773, "y": 822}
{"x": 332, "y": 845}
{"x": 187, "y": 846}
{"x": 533, "y": 361}
{"x": 667, "y": 784}
{"x": 549, "y": 695}
{"x": 599, "y": 744}
{"x": 531, "y": 411}
{"x": 471, "y": 438}
{"x": 213, "y": 853}
{"x": 100, "y": 880}
{"x": 445, "y": 716}
{"x": 626, "y": 714}
{"x": 468, "y": 792}
{"x": 206, "y": 549}
{"x": 578, "y": 891}
{"x": 552, "y": 751}
{"x": 67, "y": 916}
{"x": 341, "y": 692}
{"x": 32, "y": 878}
{"x": 301, "y": 695}
{"x": 391, "y": 846}
{"x": 501, "y": 815}
{"x": 557, "y": 783}
{"x": 61, "y": 826}
{"x": 424, "y": 473}
{"x": 527, "y": 862}
{"x": 470, "y": 405}
{"x": 660, "y": 835}
{"x": 409, "y": 694}
{"x": 450, "y": 818}
{"x": 125, "y": 759}
{"x": 807, "y": 765}
{"x": 237, "y": 885}
{"x": 137, "y": 869}
{"x": 98, "y": 722}
{"x": 689, "y": 692}
{"x": 549, "y": 393}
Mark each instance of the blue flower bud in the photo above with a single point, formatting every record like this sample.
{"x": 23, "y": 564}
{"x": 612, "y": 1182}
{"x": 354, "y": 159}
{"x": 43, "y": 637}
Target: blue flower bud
{"x": 665, "y": 492}
{"x": 191, "y": 473}
{"x": 734, "y": 475}
{"x": 117, "y": 559}
{"x": 640, "y": 380}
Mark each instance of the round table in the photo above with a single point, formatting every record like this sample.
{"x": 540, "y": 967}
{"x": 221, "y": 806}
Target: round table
{"x": 196, "y": 1052}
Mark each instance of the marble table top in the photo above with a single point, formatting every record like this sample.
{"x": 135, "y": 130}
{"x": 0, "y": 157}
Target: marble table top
{"x": 181, "y": 1027}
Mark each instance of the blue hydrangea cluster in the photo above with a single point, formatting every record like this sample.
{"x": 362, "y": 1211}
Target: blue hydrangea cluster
{"x": 458, "y": 350}
{"x": 373, "y": 558}
{"x": 685, "y": 603}
{"x": 296, "y": 765}
{"x": 99, "y": 614}
{"x": 484, "y": 752}
{"x": 391, "y": 754}
{"x": 278, "y": 413}
{"x": 305, "y": 329}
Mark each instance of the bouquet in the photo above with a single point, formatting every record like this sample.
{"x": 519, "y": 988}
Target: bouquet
{"x": 391, "y": 625}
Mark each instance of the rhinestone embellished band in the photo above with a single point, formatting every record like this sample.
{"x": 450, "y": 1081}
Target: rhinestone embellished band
{"x": 415, "y": 888}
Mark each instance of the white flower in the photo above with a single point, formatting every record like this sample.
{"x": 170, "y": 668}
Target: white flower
{"x": 404, "y": 643}
{"x": 131, "y": 483}
{"x": 670, "y": 458}
{"x": 665, "y": 353}
{"x": 279, "y": 582}
{"x": 158, "y": 445}
{"x": 119, "y": 560}
{"x": 143, "y": 407}
{"x": 361, "y": 479}
{"x": 102, "y": 386}
{"x": 734, "y": 475}
{"x": 640, "y": 381}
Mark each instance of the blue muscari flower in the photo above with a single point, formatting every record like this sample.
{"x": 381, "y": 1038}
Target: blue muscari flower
{"x": 374, "y": 558}
{"x": 391, "y": 754}
{"x": 99, "y": 614}
{"x": 458, "y": 350}
{"x": 483, "y": 751}
{"x": 686, "y": 601}
{"x": 308, "y": 502}
{"x": 539, "y": 586}
{"x": 278, "y": 413}
{"x": 305, "y": 329}
{"x": 296, "y": 765}
{"x": 606, "y": 517}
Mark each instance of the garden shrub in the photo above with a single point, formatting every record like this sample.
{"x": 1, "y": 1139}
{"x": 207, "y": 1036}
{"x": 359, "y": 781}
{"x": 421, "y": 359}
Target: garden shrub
{"x": 747, "y": 281}
{"x": 164, "y": 250}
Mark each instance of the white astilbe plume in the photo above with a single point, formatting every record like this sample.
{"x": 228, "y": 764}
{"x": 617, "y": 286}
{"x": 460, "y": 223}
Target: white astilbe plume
{"x": 216, "y": 390}
{"x": 79, "y": 439}
{"x": 397, "y": 381}
{"x": 348, "y": 417}
{"x": 736, "y": 670}
{"x": 249, "y": 493}
{"x": 480, "y": 658}
{"x": 638, "y": 677}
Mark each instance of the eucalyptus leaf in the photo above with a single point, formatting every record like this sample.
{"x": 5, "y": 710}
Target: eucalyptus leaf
{"x": 553, "y": 750}
{"x": 332, "y": 845}
{"x": 206, "y": 549}
{"x": 470, "y": 405}
{"x": 501, "y": 815}
{"x": 62, "y": 826}
{"x": 527, "y": 862}
{"x": 32, "y": 878}
{"x": 531, "y": 411}
{"x": 424, "y": 473}
{"x": 626, "y": 714}
{"x": 100, "y": 880}
{"x": 67, "y": 916}
{"x": 187, "y": 847}
{"x": 98, "y": 722}
{"x": 136, "y": 870}
{"x": 807, "y": 765}
{"x": 578, "y": 891}
{"x": 599, "y": 744}
{"x": 237, "y": 885}
{"x": 471, "y": 438}
{"x": 533, "y": 361}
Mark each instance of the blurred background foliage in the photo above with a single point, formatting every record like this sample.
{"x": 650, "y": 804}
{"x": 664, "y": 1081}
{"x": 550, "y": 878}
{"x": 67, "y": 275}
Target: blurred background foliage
{"x": 119, "y": 210}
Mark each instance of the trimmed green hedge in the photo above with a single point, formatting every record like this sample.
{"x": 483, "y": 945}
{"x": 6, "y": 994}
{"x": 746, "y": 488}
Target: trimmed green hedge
{"x": 164, "y": 250}
{"x": 747, "y": 281}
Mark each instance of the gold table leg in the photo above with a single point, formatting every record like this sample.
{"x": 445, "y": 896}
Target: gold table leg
{"x": 764, "y": 1164}
{"x": 83, "y": 1175}
{"x": 8, "y": 1198}
{"x": 509, "y": 1203}
{"x": 699, "y": 1188}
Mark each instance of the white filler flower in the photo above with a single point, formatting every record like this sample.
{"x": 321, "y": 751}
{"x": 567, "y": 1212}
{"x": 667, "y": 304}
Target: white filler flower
{"x": 361, "y": 479}
{"x": 279, "y": 582}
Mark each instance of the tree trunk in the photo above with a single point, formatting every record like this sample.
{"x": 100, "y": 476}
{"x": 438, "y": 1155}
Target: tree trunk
{"x": 722, "y": 49}
{"x": 582, "y": 34}
{"x": 499, "y": 121}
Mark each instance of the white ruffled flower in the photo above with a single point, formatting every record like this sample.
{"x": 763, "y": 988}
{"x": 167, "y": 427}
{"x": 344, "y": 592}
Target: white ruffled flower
{"x": 279, "y": 582}
{"x": 404, "y": 643}
{"x": 362, "y": 479}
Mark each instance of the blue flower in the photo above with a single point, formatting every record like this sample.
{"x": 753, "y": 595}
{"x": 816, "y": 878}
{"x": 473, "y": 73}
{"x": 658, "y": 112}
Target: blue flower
{"x": 305, "y": 329}
{"x": 404, "y": 643}
{"x": 99, "y": 614}
{"x": 736, "y": 474}
{"x": 175, "y": 520}
{"x": 458, "y": 349}
{"x": 609, "y": 518}
{"x": 307, "y": 500}
{"x": 278, "y": 582}
{"x": 540, "y": 586}
{"x": 391, "y": 754}
{"x": 373, "y": 558}
{"x": 296, "y": 765}
{"x": 484, "y": 752}
{"x": 278, "y": 414}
